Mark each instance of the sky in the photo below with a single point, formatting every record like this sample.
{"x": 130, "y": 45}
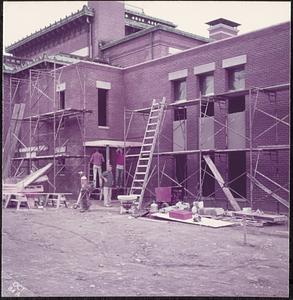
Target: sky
{"x": 22, "y": 18}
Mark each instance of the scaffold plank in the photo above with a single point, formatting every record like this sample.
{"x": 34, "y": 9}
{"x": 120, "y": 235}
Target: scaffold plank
{"x": 268, "y": 191}
{"x": 68, "y": 112}
{"x": 221, "y": 182}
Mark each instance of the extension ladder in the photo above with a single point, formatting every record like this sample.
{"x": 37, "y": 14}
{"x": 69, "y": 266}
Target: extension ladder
{"x": 140, "y": 178}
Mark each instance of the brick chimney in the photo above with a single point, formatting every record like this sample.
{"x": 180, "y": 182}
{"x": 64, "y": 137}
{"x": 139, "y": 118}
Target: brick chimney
{"x": 108, "y": 24}
{"x": 222, "y": 28}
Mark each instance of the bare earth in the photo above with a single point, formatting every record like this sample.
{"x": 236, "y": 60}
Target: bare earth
{"x": 101, "y": 253}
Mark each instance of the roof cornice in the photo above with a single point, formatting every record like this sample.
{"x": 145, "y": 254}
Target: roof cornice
{"x": 85, "y": 11}
{"x": 167, "y": 23}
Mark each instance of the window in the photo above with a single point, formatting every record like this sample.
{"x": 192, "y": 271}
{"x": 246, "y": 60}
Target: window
{"x": 102, "y": 107}
{"x": 179, "y": 114}
{"x": 206, "y": 84}
{"x": 179, "y": 89}
{"x": 61, "y": 166}
{"x": 62, "y": 100}
{"x": 236, "y": 104}
{"x": 207, "y": 109}
{"x": 236, "y": 79}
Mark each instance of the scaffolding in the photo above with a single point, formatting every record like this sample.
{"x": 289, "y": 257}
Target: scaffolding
{"x": 258, "y": 101}
{"x": 43, "y": 124}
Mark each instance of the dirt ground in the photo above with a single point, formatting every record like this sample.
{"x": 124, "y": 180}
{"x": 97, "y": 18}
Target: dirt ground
{"x": 102, "y": 253}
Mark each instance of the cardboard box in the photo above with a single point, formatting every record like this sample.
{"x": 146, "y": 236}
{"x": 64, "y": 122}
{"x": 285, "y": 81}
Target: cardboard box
{"x": 180, "y": 214}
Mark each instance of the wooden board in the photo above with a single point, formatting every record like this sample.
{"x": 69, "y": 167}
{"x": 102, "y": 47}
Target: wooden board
{"x": 204, "y": 221}
{"x": 34, "y": 176}
{"x": 268, "y": 191}
{"x": 221, "y": 182}
{"x": 266, "y": 217}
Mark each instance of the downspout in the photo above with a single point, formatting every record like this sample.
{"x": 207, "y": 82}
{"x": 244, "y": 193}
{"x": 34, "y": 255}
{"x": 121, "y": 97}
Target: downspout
{"x": 90, "y": 44}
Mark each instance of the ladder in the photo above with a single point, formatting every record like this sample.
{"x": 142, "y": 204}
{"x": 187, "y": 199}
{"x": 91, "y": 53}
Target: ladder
{"x": 140, "y": 178}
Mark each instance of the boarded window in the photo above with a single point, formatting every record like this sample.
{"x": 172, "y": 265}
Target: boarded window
{"x": 179, "y": 87}
{"x": 236, "y": 104}
{"x": 236, "y": 78}
{"x": 206, "y": 84}
{"x": 102, "y": 107}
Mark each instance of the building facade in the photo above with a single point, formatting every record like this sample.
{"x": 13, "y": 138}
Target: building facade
{"x": 87, "y": 81}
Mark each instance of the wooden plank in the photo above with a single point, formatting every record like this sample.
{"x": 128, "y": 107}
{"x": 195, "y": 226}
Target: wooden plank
{"x": 221, "y": 182}
{"x": 204, "y": 221}
{"x": 267, "y": 217}
{"x": 268, "y": 191}
{"x": 32, "y": 177}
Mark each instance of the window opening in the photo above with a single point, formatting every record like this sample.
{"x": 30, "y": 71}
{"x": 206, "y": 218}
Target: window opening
{"x": 102, "y": 107}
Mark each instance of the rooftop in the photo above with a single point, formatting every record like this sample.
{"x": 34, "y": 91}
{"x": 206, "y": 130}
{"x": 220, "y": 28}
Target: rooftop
{"x": 85, "y": 11}
{"x": 155, "y": 28}
{"x": 133, "y": 18}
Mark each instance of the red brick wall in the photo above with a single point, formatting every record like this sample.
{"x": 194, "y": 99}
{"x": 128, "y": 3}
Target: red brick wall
{"x": 267, "y": 64}
{"x": 149, "y": 46}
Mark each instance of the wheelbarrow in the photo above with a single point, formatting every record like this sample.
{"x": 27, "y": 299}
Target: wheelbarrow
{"x": 127, "y": 203}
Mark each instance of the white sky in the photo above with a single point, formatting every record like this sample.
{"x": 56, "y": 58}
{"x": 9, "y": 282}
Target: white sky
{"x": 23, "y": 18}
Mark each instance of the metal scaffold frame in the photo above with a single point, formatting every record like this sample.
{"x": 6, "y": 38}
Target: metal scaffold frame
{"x": 252, "y": 99}
{"x": 36, "y": 119}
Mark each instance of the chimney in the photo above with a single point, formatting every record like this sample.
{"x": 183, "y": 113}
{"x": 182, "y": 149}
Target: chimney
{"x": 108, "y": 24}
{"x": 222, "y": 28}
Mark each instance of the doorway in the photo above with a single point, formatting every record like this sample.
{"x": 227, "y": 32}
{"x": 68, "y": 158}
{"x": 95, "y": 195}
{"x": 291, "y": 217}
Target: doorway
{"x": 237, "y": 173}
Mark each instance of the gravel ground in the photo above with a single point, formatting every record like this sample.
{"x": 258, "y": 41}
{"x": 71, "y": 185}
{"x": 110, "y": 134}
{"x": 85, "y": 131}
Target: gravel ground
{"x": 102, "y": 253}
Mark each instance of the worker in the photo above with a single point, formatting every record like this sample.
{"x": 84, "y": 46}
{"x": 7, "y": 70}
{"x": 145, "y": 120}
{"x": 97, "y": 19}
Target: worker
{"x": 84, "y": 194}
{"x": 107, "y": 176}
{"x": 97, "y": 159}
{"x": 119, "y": 167}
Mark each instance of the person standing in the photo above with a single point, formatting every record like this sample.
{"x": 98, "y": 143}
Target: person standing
{"x": 107, "y": 176}
{"x": 97, "y": 159}
{"x": 84, "y": 194}
{"x": 119, "y": 167}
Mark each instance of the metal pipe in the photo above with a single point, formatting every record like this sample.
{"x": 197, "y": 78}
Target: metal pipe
{"x": 250, "y": 146}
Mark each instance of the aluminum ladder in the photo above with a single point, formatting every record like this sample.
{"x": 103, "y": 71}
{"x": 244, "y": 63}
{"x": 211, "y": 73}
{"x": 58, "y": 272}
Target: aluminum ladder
{"x": 140, "y": 178}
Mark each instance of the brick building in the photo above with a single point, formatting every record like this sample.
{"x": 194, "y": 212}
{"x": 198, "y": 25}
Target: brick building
{"x": 88, "y": 80}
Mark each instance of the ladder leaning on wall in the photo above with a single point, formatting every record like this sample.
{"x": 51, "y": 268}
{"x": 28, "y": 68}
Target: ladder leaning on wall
{"x": 140, "y": 178}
